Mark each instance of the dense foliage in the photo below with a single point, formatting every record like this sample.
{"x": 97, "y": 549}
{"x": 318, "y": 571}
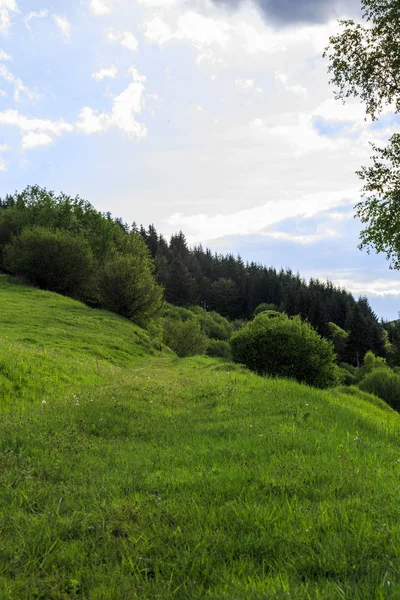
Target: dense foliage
{"x": 274, "y": 344}
{"x": 57, "y": 260}
{"x": 218, "y": 349}
{"x": 63, "y": 244}
{"x": 238, "y": 291}
{"x": 385, "y": 384}
{"x": 127, "y": 286}
{"x": 184, "y": 337}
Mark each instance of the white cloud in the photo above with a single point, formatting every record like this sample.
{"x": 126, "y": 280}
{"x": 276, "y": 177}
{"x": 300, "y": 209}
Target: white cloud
{"x": 323, "y": 232}
{"x": 19, "y": 87}
{"x": 333, "y": 109}
{"x": 136, "y": 76}
{"x": 33, "y": 140}
{"x": 192, "y": 27}
{"x": 91, "y": 122}
{"x": 35, "y": 15}
{"x": 125, "y": 107}
{"x": 258, "y": 219}
{"x": 3, "y": 166}
{"x": 362, "y": 287}
{"x": 236, "y": 39}
{"x": 126, "y": 39}
{"x": 101, "y": 7}
{"x": 245, "y": 84}
{"x": 7, "y": 7}
{"x": 123, "y": 113}
{"x": 36, "y": 132}
{"x": 259, "y": 123}
{"x": 64, "y": 26}
{"x": 158, "y": 31}
{"x": 111, "y": 72}
{"x": 296, "y": 89}
{"x": 248, "y": 85}
{"x": 4, "y": 55}
{"x": 300, "y": 134}
{"x": 158, "y": 3}
{"x": 129, "y": 41}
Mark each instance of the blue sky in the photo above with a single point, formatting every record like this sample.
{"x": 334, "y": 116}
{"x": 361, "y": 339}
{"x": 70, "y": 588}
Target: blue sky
{"x": 211, "y": 117}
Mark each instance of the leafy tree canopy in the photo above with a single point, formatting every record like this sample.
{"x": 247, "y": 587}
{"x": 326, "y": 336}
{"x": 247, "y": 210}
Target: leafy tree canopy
{"x": 365, "y": 63}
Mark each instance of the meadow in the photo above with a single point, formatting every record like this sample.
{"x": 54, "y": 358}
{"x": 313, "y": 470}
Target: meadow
{"x": 126, "y": 472}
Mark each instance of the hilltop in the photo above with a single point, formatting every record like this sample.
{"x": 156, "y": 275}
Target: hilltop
{"x": 129, "y": 473}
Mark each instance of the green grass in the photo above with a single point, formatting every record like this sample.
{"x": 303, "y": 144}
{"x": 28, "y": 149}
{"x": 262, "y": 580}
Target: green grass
{"x": 147, "y": 476}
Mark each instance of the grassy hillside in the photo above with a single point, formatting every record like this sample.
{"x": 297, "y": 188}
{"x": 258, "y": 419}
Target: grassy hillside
{"x": 146, "y": 476}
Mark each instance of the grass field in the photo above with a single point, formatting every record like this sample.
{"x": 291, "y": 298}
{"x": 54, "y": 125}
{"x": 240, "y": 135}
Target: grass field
{"x": 128, "y": 473}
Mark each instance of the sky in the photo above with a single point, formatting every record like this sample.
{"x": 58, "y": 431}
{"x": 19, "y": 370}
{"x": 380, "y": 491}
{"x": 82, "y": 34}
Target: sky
{"x": 211, "y": 117}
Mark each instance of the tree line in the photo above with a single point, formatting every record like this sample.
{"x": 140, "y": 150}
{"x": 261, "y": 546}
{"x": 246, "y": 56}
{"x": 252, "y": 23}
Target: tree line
{"x": 65, "y": 245}
{"x": 237, "y": 290}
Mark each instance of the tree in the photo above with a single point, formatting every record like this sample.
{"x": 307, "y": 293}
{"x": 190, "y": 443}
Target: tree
{"x": 36, "y": 206}
{"x": 184, "y": 337}
{"x": 126, "y": 282}
{"x": 180, "y": 287}
{"x": 365, "y": 63}
{"x": 225, "y": 297}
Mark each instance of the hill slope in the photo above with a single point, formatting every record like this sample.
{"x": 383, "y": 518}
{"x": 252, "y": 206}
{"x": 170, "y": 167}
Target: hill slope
{"x": 146, "y": 476}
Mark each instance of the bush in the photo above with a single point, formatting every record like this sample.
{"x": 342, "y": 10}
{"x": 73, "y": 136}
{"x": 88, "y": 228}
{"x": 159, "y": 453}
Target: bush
{"x": 347, "y": 377}
{"x": 385, "y": 384}
{"x": 351, "y": 374}
{"x": 184, "y": 337}
{"x": 372, "y": 362}
{"x": 218, "y": 348}
{"x": 54, "y": 260}
{"x": 277, "y": 345}
{"x": 179, "y": 313}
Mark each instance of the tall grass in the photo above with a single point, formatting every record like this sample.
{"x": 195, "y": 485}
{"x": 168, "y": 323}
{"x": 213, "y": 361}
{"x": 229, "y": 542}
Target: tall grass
{"x": 155, "y": 477}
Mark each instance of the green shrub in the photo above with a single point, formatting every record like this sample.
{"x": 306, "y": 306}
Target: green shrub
{"x": 347, "y": 377}
{"x": 372, "y": 362}
{"x": 350, "y": 368}
{"x": 274, "y": 344}
{"x": 184, "y": 337}
{"x": 218, "y": 348}
{"x": 217, "y": 326}
{"x": 385, "y": 384}
{"x": 351, "y": 374}
{"x": 179, "y": 313}
{"x": 54, "y": 260}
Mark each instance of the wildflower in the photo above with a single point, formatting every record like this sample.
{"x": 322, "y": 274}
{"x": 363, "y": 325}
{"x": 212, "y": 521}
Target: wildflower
{"x": 44, "y": 403}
